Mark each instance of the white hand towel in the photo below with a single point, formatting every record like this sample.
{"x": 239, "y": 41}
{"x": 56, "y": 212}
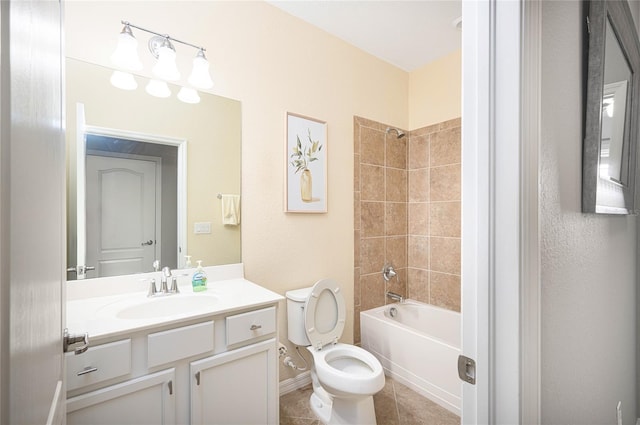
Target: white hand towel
{"x": 231, "y": 210}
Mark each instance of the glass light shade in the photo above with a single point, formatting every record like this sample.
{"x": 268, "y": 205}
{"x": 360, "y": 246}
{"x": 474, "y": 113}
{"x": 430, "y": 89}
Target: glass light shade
{"x": 126, "y": 54}
{"x": 123, "y": 80}
{"x": 158, "y": 88}
{"x": 188, "y": 95}
{"x": 165, "y": 67}
{"x": 200, "y": 77}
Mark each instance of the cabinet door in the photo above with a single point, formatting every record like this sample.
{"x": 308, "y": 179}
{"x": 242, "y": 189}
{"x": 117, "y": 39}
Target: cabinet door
{"x": 236, "y": 387}
{"x": 146, "y": 400}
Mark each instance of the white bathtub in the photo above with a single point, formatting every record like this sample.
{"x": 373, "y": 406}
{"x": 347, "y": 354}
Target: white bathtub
{"x": 419, "y": 347}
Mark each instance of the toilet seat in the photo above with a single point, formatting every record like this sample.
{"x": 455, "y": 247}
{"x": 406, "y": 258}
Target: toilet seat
{"x": 348, "y": 371}
{"x": 324, "y": 314}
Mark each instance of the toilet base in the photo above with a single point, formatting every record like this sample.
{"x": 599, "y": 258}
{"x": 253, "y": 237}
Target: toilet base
{"x": 343, "y": 411}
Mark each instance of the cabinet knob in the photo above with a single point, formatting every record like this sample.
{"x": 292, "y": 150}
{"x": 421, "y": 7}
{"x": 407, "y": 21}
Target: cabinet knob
{"x": 255, "y": 327}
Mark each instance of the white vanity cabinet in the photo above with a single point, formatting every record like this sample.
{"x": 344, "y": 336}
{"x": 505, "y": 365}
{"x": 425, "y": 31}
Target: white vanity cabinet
{"x": 239, "y": 386}
{"x": 145, "y": 400}
{"x": 216, "y": 369}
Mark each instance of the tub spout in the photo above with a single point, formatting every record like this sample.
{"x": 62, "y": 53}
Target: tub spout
{"x": 396, "y": 297}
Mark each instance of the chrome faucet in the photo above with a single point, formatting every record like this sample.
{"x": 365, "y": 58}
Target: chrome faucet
{"x": 166, "y": 274}
{"x": 152, "y": 288}
{"x": 396, "y": 297}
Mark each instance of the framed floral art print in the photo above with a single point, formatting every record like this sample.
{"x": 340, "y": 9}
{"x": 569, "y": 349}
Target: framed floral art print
{"x": 306, "y": 165}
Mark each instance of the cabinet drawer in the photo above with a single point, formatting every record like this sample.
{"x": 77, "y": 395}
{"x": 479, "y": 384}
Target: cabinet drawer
{"x": 250, "y": 325}
{"x": 98, "y": 364}
{"x": 179, "y": 343}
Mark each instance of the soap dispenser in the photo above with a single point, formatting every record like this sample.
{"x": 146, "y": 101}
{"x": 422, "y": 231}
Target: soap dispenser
{"x": 199, "y": 279}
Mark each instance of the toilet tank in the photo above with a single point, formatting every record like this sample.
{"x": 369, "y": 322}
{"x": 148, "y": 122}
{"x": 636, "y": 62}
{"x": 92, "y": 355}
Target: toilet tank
{"x": 295, "y": 316}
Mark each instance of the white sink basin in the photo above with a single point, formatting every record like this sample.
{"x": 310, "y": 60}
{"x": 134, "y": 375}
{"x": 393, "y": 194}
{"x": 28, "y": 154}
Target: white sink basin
{"x": 160, "y": 306}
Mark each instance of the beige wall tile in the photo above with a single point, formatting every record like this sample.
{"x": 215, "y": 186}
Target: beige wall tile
{"x": 396, "y": 152}
{"x": 445, "y": 255}
{"x": 396, "y": 185}
{"x": 419, "y": 185}
{"x": 357, "y": 211}
{"x": 407, "y": 213}
{"x": 356, "y": 286}
{"x": 372, "y": 183}
{"x": 395, "y": 218}
{"x": 418, "y": 152}
{"x": 371, "y": 146}
{"x": 371, "y": 291}
{"x": 371, "y": 255}
{"x": 456, "y": 122}
{"x": 356, "y": 325}
{"x": 418, "y": 284}
{"x": 418, "y": 251}
{"x": 372, "y": 218}
{"x": 445, "y": 290}
{"x": 445, "y": 183}
{"x": 444, "y": 219}
{"x": 366, "y": 122}
{"x": 425, "y": 130}
{"x": 356, "y": 248}
{"x": 396, "y": 252}
{"x": 445, "y": 147}
{"x": 419, "y": 218}
{"x": 356, "y": 173}
{"x": 356, "y": 137}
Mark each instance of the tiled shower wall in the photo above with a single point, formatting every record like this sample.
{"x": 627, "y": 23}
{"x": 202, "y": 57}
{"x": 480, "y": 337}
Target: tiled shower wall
{"x": 407, "y": 214}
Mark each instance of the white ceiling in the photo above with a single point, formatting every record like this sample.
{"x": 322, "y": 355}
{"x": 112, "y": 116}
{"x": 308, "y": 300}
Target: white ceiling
{"x": 407, "y": 34}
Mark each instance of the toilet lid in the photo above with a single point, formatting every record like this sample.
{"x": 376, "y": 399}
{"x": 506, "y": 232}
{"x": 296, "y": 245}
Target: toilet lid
{"x": 324, "y": 313}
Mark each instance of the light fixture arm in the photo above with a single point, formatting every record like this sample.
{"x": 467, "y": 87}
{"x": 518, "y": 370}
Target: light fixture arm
{"x": 167, "y": 36}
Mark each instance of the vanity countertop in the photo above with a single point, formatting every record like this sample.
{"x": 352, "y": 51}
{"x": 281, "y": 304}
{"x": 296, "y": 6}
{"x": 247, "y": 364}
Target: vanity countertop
{"x": 119, "y": 308}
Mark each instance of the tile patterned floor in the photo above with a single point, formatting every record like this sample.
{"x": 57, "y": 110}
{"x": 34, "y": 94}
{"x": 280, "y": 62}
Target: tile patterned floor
{"x": 395, "y": 405}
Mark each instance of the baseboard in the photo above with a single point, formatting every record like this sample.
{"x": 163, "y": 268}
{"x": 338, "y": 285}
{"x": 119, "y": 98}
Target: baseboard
{"x": 289, "y": 385}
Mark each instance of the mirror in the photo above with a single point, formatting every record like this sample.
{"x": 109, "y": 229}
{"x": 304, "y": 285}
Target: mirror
{"x": 143, "y": 156}
{"x": 611, "y": 111}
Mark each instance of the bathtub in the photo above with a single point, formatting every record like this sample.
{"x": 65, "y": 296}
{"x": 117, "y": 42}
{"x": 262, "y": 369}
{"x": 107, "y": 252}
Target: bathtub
{"x": 418, "y": 347}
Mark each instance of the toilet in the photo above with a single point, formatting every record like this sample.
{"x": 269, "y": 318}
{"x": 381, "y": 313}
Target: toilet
{"x": 344, "y": 377}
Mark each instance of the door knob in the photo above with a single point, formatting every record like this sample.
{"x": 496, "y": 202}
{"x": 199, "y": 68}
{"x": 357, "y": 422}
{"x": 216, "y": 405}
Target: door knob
{"x": 149, "y": 242}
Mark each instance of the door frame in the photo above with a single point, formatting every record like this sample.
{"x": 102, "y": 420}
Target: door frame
{"x": 181, "y": 144}
{"x": 500, "y": 243}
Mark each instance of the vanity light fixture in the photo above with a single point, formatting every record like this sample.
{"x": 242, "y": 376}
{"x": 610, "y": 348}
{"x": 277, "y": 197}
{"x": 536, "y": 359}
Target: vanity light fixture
{"x": 158, "y": 88}
{"x": 123, "y": 80}
{"x": 126, "y": 54}
{"x": 188, "y": 95}
{"x": 161, "y": 47}
{"x": 200, "y": 77}
{"x": 165, "y": 53}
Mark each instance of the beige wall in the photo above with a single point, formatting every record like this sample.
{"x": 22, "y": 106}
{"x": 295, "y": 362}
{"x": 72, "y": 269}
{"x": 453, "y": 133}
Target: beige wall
{"x": 435, "y": 91}
{"x": 272, "y": 63}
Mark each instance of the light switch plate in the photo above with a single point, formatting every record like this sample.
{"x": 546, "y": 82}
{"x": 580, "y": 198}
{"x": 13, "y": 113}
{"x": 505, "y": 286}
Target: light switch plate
{"x": 202, "y": 228}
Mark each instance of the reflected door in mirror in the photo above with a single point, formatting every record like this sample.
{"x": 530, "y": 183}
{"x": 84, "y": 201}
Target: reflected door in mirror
{"x": 123, "y": 211}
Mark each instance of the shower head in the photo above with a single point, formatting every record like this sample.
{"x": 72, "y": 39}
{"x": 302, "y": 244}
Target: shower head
{"x": 399, "y": 133}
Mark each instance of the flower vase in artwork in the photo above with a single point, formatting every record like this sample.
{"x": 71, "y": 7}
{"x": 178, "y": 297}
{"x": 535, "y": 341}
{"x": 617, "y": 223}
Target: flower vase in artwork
{"x": 305, "y": 185}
